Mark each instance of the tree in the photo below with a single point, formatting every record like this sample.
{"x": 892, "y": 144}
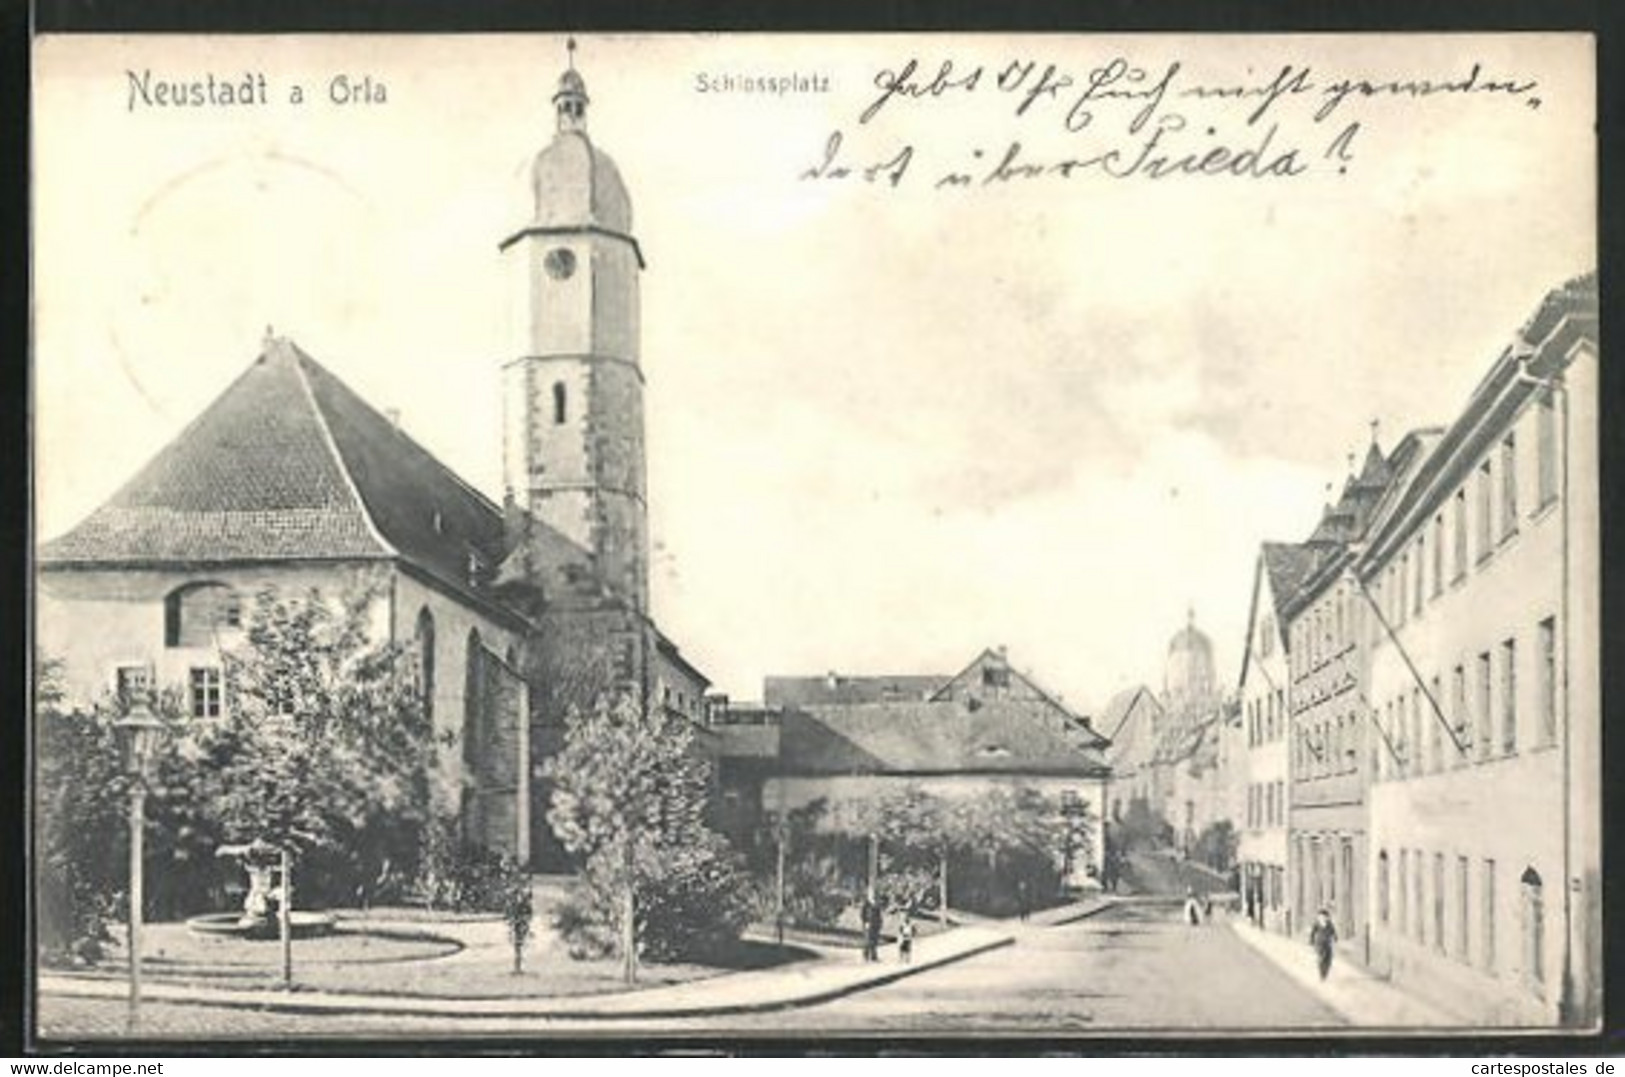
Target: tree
{"x": 629, "y": 799}
{"x": 323, "y": 746}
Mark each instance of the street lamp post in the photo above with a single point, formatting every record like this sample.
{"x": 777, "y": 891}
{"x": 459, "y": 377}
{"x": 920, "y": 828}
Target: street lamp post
{"x": 138, "y": 733}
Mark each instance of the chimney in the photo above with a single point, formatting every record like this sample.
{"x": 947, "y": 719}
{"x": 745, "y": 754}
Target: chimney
{"x": 394, "y": 417}
{"x": 831, "y": 681}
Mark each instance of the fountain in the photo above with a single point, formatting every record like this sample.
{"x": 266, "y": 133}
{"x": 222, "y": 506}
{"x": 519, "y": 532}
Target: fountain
{"x": 261, "y": 915}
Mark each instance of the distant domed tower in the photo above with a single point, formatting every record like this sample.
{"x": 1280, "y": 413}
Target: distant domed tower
{"x": 573, "y": 450}
{"x": 1188, "y": 676}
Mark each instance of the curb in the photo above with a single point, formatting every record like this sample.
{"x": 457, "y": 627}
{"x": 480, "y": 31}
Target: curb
{"x": 426, "y": 1006}
{"x": 1072, "y": 918}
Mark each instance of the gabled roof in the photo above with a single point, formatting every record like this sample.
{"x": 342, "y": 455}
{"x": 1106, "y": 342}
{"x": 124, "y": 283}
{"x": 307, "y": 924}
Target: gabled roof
{"x": 835, "y": 688}
{"x": 970, "y": 684}
{"x": 1122, "y": 707}
{"x": 289, "y": 464}
{"x": 932, "y": 738}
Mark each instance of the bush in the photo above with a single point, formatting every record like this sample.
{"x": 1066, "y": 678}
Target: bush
{"x": 464, "y": 876}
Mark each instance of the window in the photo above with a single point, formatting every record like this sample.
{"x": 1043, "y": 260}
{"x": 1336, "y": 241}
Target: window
{"x": 1421, "y": 574}
{"x": 560, "y": 404}
{"x": 204, "y": 686}
{"x": 1486, "y": 480}
{"x": 1483, "y": 705}
{"x": 1534, "y": 929}
{"x": 1509, "y": 696}
{"x": 1403, "y": 582}
{"x": 1509, "y": 486}
{"x": 1458, "y": 525}
{"x": 425, "y": 662}
{"x": 1438, "y": 902}
{"x": 1463, "y": 908}
{"x": 1546, "y": 450}
{"x": 196, "y": 613}
{"x": 1435, "y": 732}
{"x": 1416, "y": 731}
{"x": 1438, "y": 555}
{"x": 1547, "y": 660}
{"x": 1464, "y": 732}
{"x": 132, "y": 683}
{"x": 1486, "y": 922}
{"x": 1382, "y": 887}
{"x": 1404, "y": 890}
{"x": 1419, "y": 920}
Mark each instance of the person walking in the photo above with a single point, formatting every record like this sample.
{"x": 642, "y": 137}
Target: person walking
{"x": 905, "y": 938}
{"x": 1323, "y": 937}
{"x": 871, "y": 915}
{"x": 1193, "y": 908}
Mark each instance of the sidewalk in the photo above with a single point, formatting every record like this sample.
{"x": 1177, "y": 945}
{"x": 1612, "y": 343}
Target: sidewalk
{"x": 1362, "y": 999}
{"x": 742, "y": 992}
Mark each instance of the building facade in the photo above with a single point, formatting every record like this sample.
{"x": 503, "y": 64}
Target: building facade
{"x": 1483, "y": 582}
{"x": 1262, "y": 762}
{"x": 517, "y": 614}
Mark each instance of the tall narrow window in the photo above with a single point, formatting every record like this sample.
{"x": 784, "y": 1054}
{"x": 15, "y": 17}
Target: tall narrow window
{"x": 561, "y": 411}
{"x": 1418, "y": 873}
{"x": 1463, "y": 907}
{"x": 1421, "y": 571}
{"x": 1482, "y": 705}
{"x": 1485, "y": 529}
{"x": 1509, "y": 485}
{"x": 1547, "y": 659}
{"x": 1403, "y": 891}
{"x": 1486, "y": 918}
{"x": 1435, "y": 733}
{"x": 1404, "y": 582}
{"x": 1464, "y": 726}
{"x": 1458, "y": 525}
{"x": 204, "y": 688}
{"x": 1546, "y": 449}
{"x": 1438, "y": 555}
{"x": 1416, "y": 730}
{"x": 1438, "y": 902}
{"x": 425, "y": 662}
{"x": 1534, "y": 929}
{"x": 1509, "y": 696}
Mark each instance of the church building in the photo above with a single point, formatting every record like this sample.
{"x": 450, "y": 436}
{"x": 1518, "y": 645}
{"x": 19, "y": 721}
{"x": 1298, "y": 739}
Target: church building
{"x": 516, "y": 612}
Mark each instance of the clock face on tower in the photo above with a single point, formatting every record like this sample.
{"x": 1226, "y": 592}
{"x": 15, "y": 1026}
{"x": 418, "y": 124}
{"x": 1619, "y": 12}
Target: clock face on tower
{"x": 560, "y": 263}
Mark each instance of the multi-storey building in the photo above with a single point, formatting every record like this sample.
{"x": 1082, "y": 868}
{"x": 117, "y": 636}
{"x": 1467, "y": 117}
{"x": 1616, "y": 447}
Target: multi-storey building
{"x": 1481, "y": 581}
{"x": 1262, "y": 763}
{"x": 1328, "y": 732}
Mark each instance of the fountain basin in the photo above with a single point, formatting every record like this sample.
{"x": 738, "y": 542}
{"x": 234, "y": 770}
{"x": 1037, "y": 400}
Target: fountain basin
{"x": 302, "y": 925}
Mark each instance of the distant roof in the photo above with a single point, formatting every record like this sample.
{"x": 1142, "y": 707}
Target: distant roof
{"x": 1287, "y": 565}
{"x": 934, "y": 738}
{"x": 1121, "y": 707}
{"x": 834, "y": 688}
{"x": 289, "y": 464}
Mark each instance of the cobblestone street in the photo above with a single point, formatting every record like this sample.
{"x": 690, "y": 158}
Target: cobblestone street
{"x": 1135, "y": 967}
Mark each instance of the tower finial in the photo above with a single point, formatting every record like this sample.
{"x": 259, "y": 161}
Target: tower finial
{"x": 1374, "y": 424}
{"x": 571, "y": 98}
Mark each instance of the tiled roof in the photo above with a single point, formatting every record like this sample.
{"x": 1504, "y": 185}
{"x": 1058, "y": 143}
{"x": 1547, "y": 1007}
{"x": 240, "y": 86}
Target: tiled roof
{"x": 290, "y": 464}
{"x": 836, "y": 689}
{"x": 1121, "y": 707}
{"x": 1287, "y": 565}
{"x": 254, "y": 477}
{"x": 933, "y": 738}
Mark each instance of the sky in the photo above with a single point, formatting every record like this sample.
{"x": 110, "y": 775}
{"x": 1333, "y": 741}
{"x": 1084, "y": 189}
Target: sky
{"x": 887, "y": 425}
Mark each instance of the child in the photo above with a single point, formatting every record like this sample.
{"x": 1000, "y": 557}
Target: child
{"x": 905, "y": 938}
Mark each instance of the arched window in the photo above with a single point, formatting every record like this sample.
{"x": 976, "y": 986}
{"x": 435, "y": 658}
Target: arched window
{"x": 424, "y": 635}
{"x": 560, "y": 404}
{"x": 1534, "y": 928}
{"x": 196, "y": 613}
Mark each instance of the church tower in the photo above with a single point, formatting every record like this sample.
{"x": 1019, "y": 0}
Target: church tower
{"x": 573, "y": 451}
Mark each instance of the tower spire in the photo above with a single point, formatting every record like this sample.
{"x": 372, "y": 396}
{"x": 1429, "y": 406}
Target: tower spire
{"x": 571, "y": 98}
